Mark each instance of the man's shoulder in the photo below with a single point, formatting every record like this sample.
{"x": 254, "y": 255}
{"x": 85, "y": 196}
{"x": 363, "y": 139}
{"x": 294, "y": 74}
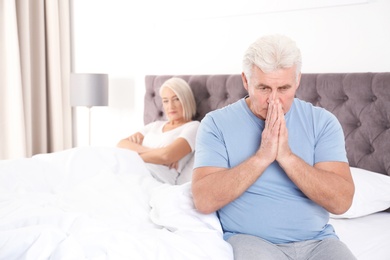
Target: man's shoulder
{"x": 307, "y": 106}
{"x": 303, "y": 103}
{"x": 225, "y": 110}
{"x": 319, "y": 115}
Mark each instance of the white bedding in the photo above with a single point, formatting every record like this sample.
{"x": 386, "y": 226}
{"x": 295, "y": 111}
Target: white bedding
{"x": 101, "y": 203}
{"x": 367, "y": 237}
{"x": 96, "y": 203}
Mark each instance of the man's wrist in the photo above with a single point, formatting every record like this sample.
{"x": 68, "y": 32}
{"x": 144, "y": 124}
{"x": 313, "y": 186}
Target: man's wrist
{"x": 286, "y": 160}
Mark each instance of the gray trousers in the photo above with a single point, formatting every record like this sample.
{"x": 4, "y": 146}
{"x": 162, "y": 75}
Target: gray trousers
{"x": 247, "y": 247}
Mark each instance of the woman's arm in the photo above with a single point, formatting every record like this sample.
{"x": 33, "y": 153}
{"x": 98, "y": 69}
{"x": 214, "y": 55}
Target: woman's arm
{"x": 168, "y": 154}
{"x": 134, "y": 143}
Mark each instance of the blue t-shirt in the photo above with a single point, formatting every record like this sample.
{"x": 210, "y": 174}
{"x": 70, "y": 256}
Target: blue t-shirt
{"x": 273, "y": 208}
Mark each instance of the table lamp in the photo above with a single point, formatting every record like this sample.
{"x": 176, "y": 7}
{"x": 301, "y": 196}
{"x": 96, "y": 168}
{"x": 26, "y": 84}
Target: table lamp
{"x": 88, "y": 89}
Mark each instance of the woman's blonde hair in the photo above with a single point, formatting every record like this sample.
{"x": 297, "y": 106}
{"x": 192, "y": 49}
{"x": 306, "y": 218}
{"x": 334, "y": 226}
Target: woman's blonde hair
{"x": 184, "y": 93}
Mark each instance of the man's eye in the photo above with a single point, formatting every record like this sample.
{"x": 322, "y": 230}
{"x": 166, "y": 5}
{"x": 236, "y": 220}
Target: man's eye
{"x": 263, "y": 89}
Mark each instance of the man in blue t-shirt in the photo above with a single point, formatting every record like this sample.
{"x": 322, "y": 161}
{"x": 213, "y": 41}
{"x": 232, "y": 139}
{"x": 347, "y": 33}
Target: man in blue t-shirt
{"x": 272, "y": 165}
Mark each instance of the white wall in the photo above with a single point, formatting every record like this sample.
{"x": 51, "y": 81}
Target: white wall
{"x": 130, "y": 39}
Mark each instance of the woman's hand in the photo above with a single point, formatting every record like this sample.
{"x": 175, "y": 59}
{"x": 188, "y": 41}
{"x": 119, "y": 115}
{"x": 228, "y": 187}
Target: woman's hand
{"x": 133, "y": 142}
{"x": 137, "y": 138}
{"x": 174, "y": 165}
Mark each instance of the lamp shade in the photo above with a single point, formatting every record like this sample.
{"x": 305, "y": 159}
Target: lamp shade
{"x": 88, "y": 89}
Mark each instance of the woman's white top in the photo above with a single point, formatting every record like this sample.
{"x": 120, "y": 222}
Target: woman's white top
{"x": 154, "y": 137}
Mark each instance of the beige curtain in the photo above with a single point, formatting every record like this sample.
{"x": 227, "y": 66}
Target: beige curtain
{"x": 35, "y": 116}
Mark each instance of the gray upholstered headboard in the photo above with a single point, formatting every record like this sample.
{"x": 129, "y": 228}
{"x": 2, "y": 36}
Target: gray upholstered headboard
{"x": 361, "y": 102}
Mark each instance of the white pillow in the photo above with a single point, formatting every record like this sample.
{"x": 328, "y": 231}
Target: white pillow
{"x": 372, "y": 194}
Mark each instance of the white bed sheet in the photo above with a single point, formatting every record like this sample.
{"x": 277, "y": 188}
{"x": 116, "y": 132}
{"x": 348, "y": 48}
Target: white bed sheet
{"x": 101, "y": 203}
{"x": 96, "y": 203}
{"x": 368, "y": 237}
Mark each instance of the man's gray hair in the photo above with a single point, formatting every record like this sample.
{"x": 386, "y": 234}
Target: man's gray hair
{"x": 270, "y": 53}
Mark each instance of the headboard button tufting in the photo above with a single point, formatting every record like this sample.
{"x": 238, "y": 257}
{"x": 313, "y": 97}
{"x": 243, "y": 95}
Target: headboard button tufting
{"x": 360, "y": 101}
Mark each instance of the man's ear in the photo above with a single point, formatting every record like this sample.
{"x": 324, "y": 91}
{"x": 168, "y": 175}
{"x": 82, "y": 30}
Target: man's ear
{"x": 244, "y": 81}
{"x": 299, "y": 80}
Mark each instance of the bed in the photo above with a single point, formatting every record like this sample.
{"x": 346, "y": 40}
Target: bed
{"x": 361, "y": 102}
{"x": 102, "y": 203}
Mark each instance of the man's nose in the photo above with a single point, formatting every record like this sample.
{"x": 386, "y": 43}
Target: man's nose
{"x": 272, "y": 96}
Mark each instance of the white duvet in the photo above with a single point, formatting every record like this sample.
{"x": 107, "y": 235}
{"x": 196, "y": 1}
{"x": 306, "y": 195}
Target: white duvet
{"x": 99, "y": 203}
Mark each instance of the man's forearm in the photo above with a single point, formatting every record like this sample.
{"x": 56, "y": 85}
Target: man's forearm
{"x": 328, "y": 183}
{"x": 213, "y": 188}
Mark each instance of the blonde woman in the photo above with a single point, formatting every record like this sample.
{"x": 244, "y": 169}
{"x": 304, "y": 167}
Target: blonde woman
{"x": 166, "y": 146}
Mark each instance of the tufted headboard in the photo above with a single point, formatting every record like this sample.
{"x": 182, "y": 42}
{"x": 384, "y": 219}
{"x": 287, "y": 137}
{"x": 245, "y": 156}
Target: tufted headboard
{"x": 361, "y": 102}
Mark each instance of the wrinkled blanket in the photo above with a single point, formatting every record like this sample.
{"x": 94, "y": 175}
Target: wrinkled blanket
{"x": 99, "y": 203}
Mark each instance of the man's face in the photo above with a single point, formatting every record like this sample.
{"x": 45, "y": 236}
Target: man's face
{"x": 277, "y": 85}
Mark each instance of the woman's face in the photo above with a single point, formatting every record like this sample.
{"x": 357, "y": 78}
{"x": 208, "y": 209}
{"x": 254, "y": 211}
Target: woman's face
{"x": 173, "y": 108}
{"x": 277, "y": 85}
